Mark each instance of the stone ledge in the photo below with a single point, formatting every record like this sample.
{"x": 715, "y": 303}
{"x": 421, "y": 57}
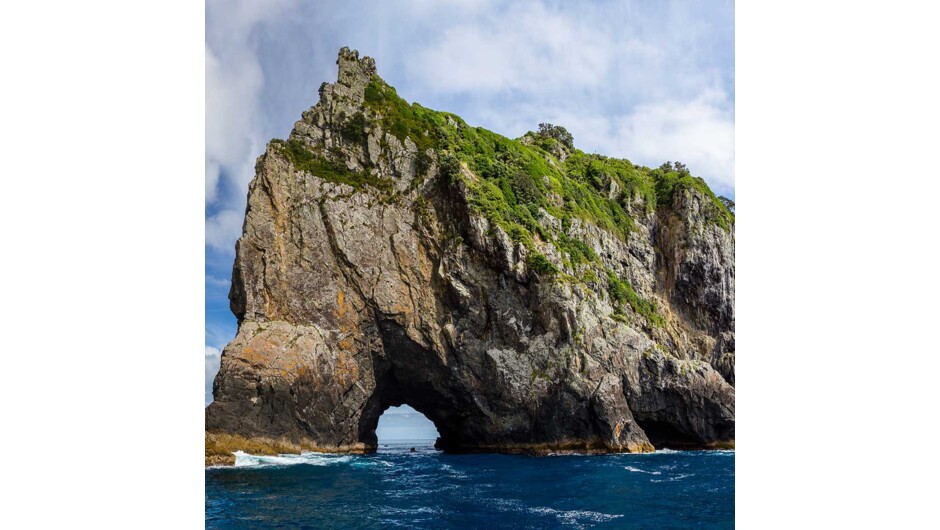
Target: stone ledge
{"x": 220, "y": 447}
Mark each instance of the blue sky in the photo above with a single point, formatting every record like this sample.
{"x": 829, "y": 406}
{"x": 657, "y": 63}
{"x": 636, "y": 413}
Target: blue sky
{"x": 647, "y": 81}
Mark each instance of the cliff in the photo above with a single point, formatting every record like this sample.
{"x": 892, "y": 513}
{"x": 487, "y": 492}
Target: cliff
{"x": 523, "y": 295}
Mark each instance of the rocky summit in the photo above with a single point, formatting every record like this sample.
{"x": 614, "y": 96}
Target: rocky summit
{"x": 523, "y": 295}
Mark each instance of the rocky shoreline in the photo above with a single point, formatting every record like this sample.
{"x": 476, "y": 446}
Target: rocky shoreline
{"x": 220, "y": 449}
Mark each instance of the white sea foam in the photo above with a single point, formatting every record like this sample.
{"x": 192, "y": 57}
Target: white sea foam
{"x": 371, "y": 462}
{"x": 667, "y": 451}
{"x": 243, "y": 459}
{"x": 574, "y": 517}
{"x": 675, "y": 478}
{"x": 568, "y": 517}
{"x": 638, "y": 470}
{"x": 391, "y": 510}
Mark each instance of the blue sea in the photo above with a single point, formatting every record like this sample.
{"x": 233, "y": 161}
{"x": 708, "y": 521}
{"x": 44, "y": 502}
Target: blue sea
{"x": 424, "y": 488}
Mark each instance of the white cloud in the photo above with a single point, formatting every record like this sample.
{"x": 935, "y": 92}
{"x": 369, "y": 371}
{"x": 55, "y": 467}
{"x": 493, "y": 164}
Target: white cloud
{"x": 223, "y": 229}
{"x": 217, "y": 282}
{"x": 526, "y": 48}
{"x": 219, "y": 333}
{"x": 234, "y": 87}
{"x": 213, "y": 169}
{"x": 641, "y": 81}
{"x": 232, "y": 112}
{"x": 697, "y": 132}
{"x": 213, "y": 359}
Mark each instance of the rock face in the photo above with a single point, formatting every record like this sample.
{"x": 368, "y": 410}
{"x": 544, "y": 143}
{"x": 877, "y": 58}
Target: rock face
{"x": 375, "y": 270}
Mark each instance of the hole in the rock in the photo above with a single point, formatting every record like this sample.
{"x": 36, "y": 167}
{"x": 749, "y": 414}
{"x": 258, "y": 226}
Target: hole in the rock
{"x": 405, "y": 427}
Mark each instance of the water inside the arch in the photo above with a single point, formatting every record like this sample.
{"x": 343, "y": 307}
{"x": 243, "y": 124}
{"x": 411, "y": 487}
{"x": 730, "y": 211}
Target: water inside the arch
{"x": 424, "y": 488}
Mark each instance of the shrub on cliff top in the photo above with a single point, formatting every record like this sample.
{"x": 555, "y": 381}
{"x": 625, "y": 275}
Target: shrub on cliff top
{"x": 668, "y": 183}
{"x": 558, "y": 133}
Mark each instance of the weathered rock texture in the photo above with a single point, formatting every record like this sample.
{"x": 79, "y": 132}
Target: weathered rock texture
{"x": 353, "y": 298}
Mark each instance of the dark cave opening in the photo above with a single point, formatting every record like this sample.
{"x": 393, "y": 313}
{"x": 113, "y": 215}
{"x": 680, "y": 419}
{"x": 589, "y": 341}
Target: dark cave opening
{"x": 664, "y": 435}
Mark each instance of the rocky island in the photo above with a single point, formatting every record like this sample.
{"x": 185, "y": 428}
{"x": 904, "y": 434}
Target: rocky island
{"x": 523, "y": 295}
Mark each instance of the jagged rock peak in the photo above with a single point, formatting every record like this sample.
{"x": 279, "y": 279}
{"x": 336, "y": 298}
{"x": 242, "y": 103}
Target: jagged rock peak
{"x": 352, "y": 68}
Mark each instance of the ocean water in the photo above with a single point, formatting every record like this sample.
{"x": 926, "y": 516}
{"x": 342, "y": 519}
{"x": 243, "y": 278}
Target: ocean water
{"x": 398, "y": 488}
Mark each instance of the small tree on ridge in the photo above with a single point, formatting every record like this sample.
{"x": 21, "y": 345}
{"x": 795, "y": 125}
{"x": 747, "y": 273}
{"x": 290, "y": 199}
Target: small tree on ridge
{"x": 557, "y": 132}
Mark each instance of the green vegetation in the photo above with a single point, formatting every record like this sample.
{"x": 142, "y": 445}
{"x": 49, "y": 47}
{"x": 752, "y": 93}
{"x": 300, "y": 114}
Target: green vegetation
{"x": 621, "y": 292}
{"x": 727, "y": 202}
{"x": 402, "y": 120}
{"x": 519, "y": 182}
{"x": 521, "y": 178}
{"x": 304, "y": 159}
{"x": 354, "y": 129}
{"x": 539, "y": 374}
{"x": 600, "y": 171}
{"x": 668, "y": 183}
{"x": 517, "y": 179}
{"x": 450, "y": 167}
{"x": 541, "y": 265}
{"x": 422, "y": 163}
{"x": 515, "y": 184}
{"x": 423, "y": 208}
{"x": 578, "y": 251}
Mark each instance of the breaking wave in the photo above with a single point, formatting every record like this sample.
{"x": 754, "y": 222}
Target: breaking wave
{"x": 576, "y": 516}
{"x": 638, "y": 470}
{"x": 243, "y": 459}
